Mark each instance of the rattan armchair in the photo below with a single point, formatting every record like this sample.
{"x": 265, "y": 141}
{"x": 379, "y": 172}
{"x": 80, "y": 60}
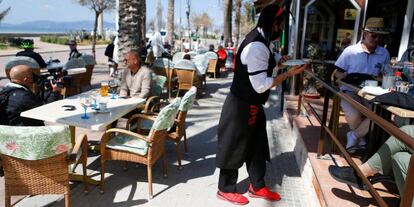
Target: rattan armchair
{"x": 212, "y": 67}
{"x": 120, "y": 144}
{"x": 48, "y": 175}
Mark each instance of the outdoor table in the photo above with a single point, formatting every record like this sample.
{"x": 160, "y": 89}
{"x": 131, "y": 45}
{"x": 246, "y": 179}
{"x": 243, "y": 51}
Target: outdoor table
{"x": 378, "y": 136}
{"x": 53, "y": 112}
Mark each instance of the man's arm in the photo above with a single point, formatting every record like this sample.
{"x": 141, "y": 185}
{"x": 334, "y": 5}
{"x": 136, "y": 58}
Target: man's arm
{"x": 124, "y": 86}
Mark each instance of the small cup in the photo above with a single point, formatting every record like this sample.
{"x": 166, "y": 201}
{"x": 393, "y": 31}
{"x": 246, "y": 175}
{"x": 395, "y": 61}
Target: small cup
{"x": 103, "y": 106}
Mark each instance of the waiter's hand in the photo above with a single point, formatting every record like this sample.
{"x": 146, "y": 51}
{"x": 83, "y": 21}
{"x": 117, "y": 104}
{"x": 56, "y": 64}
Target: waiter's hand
{"x": 297, "y": 69}
{"x": 284, "y": 58}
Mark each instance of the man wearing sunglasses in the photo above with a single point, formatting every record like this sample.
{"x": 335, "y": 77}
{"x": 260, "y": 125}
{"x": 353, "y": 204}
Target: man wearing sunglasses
{"x": 366, "y": 58}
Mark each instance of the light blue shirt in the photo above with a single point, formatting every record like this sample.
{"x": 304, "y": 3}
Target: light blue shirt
{"x": 355, "y": 60}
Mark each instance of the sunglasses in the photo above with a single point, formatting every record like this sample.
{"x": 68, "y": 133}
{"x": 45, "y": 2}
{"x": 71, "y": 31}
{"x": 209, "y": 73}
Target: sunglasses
{"x": 375, "y": 36}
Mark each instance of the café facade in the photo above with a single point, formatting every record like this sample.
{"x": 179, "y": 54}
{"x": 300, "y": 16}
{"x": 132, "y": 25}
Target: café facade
{"x": 334, "y": 24}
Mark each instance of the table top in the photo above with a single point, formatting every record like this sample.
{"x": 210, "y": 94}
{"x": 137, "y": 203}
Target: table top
{"x": 53, "y": 112}
{"x": 405, "y": 113}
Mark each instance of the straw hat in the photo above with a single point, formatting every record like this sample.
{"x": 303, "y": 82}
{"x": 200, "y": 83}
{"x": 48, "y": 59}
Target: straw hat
{"x": 375, "y": 25}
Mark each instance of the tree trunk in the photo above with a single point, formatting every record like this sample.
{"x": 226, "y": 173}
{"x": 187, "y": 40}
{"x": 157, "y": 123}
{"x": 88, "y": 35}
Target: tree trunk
{"x": 237, "y": 22}
{"x": 170, "y": 27}
{"x": 95, "y": 28}
{"x": 228, "y": 7}
{"x": 131, "y": 25}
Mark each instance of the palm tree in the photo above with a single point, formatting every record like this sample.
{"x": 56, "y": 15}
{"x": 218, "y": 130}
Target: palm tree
{"x": 237, "y": 21}
{"x": 228, "y": 8}
{"x": 131, "y": 25}
{"x": 3, "y": 13}
{"x": 170, "y": 27}
{"x": 98, "y": 6}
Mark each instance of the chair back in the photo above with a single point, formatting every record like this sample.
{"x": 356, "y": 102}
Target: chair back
{"x": 165, "y": 118}
{"x": 89, "y": 64}
{"x": 21, "y": 60}
{"x": 192, "y": 54}
{"x": 161, "y": 66}
{"x": 211, "y": 55}
{"x": 201, "y": 64}
{"x": 188, "y": 99}
{"x": 178, "y": 56}
{"x": 185, "y": 78}
{"x": 185, "y": 65}
{"x": 74, "y": 63}
{"x": 158, "y": 84}
{"x": 212, "y": 63}
{"x": 34, "y": 143}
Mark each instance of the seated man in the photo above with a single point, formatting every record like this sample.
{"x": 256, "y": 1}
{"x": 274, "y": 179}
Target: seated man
{"x": 28, "y": 47}
{"x": 392, "y": 158}
{"x": 366, "y": 57}
{"x": 137, "y": 79}
{"x": 18, "y": 97}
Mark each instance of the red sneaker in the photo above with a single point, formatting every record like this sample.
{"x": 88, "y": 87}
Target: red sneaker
{"x": 235, "y": 198}
{"x": 264, "y": 193}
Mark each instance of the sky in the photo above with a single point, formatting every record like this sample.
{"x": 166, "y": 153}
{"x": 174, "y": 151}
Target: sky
{"x": 69, "y": 10}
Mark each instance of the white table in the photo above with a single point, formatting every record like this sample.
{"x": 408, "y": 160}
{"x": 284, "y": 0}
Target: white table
{"x": 53, "y": 112}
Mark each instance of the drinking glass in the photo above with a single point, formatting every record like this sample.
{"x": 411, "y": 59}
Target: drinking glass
{"x": 94, "y": 97}
{"x": 104, "y": 89}
{"x": 113, "y": 88}
{"x": 85, "y": 101}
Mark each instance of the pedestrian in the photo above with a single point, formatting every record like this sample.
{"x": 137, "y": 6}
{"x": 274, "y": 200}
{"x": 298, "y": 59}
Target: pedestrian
{"x": 109, "y": 52}
{"x": 74, "y": 53}
{"x": 242, "y": 136}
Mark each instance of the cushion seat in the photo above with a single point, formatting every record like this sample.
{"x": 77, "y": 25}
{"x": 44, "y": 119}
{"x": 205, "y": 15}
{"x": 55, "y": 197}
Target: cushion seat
{"x": 129, "y": 144}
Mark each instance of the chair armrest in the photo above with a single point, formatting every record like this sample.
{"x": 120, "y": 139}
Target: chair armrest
{"x": 150, "y": 100}
{"x": 157, "y": 106}
{"x": 81, "y": 146}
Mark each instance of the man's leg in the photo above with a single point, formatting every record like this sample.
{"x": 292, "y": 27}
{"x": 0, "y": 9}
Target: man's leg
{"x": 227, "y": 187}
{"x": 353, "y": 118}
{"x": 400, "y": 162}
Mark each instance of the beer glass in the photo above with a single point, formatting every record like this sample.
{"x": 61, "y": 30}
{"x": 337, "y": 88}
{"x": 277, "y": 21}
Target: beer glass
{"x": 104, "y": 89}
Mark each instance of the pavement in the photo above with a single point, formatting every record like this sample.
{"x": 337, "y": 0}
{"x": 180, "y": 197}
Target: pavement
{"x": 196, "y": 183}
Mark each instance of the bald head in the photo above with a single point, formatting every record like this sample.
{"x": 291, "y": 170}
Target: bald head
{"x": 133, "y": 61}
{"x": 21, "y": 74}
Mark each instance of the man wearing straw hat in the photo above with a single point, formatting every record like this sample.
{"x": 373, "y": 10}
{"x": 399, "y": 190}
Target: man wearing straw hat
{"x": 365, "y": 57}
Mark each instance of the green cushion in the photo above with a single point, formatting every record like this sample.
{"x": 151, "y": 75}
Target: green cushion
{"x": 158, "y": 83}
{"x": 34, "y": 143}
{"x": 129, "y": 144}
{"x": 188, "y": 99}
{"x": 165, "y": 118}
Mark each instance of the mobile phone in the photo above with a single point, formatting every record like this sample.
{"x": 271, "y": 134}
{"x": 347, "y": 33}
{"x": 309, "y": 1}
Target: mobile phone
{"x": 68, "y": 107}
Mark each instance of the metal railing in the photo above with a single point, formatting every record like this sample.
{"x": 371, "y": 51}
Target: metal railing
{"x": 407, "y": 197}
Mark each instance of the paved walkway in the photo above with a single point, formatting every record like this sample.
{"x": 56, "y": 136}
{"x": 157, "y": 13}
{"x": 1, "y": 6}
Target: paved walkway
{"x": 196, "y": 183}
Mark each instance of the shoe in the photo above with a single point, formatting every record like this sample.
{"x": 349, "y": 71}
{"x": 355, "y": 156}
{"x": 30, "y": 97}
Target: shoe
{"x": 235, "y": 198}
{"x": 264, "y": 193}
{"x": 346, "y": 175}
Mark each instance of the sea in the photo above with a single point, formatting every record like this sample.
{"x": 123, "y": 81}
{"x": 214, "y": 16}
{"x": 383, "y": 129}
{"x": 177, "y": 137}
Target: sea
{"x": 31, "y": 31}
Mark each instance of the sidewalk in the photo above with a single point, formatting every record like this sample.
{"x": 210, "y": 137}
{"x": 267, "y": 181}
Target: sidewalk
{"x": 196, "y": 183}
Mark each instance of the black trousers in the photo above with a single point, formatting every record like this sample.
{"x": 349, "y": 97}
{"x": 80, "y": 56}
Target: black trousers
{"x": 256, "y": 168}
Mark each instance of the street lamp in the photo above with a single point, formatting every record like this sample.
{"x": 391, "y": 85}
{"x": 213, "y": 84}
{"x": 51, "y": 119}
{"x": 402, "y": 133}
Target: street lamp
{"x": 187, "y": 12}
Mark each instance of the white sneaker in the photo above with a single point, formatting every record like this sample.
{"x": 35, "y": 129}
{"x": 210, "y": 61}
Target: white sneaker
{"x": 351, "y": 139}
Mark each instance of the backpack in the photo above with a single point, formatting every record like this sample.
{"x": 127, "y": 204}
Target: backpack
{"x": 4, "y": 99}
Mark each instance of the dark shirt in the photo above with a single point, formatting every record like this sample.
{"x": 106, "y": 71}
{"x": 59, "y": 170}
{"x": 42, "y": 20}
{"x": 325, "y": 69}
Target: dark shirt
{"x": 22, "y": 99}
{"x": 33, "y": 55}
{"x": 74, "y": 54}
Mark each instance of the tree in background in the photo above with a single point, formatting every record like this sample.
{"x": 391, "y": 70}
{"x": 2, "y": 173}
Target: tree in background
{"x": 98, "y": 6}
{"x": 238, "y": 5}
{"x": 247, "y": 20}
{"x": 132, "y": 28}
{"x": 228, "y": 12}
{"x": 203, "y": 21}
{"x": 3, "y": 13}
{"x": 170, "y": 23}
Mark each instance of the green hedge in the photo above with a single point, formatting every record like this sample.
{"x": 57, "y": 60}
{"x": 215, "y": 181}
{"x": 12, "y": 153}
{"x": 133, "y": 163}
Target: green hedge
{"x": 62, "y": 40}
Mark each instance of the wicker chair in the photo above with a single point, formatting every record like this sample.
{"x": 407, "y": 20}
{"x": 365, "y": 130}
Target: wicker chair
{"x": 187, "y": 75}
{"x": 201, "y": 63}
{"x": 36, "y": 160}
{"x": 158, "y": 84}
{"x": 89, "y": 64}
{"x": 120, "y": 144}
{"x": 212, "y": 63}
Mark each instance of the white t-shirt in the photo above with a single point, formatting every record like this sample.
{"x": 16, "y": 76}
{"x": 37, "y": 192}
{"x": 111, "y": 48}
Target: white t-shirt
{"x": 256, "y": 56}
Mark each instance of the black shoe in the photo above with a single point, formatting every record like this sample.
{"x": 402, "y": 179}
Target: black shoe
{"x": 347, "y": 175}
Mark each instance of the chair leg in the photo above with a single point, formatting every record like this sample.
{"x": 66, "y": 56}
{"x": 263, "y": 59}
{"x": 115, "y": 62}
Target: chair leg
{"x": 185, "y": 142}
{"x": 149, "y": 170}
{"x": 178, "y": 147}
{"x": 67, "y": 200}
{"x": 7, "y": 201}
{"x": 102, "y": 176}
{"x": 85, "y": 183}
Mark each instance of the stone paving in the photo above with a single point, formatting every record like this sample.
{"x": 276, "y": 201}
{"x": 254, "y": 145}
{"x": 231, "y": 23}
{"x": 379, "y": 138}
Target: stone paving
{"x": 196, "y": 183}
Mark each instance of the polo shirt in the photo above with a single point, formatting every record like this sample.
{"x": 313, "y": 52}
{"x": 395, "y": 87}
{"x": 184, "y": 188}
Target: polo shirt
{"x": 355, "y": 60}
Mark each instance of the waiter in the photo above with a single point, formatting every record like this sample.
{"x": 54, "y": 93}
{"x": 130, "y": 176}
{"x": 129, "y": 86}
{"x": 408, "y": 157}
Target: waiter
{"x": 242, "y": 136}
